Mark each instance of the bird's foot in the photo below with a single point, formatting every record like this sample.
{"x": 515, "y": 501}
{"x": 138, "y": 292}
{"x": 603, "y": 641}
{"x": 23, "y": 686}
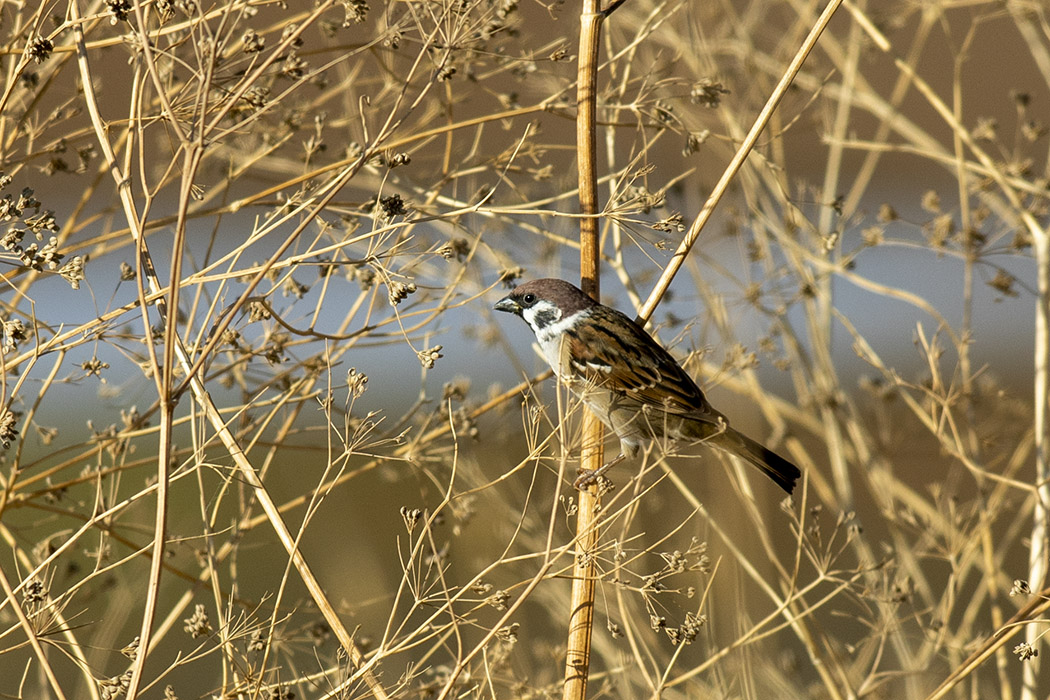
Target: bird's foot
{"x": 588, "y": 477}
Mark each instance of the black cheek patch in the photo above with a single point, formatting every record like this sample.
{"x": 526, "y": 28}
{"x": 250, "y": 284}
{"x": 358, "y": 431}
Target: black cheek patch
{"x": 545, "y": 317}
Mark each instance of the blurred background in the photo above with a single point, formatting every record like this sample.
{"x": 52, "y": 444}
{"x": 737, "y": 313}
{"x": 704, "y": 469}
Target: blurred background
{"x": 342, "y": 190}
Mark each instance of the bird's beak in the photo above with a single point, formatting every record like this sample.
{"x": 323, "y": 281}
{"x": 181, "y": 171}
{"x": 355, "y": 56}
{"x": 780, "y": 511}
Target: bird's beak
{"x": 509, "y": 305}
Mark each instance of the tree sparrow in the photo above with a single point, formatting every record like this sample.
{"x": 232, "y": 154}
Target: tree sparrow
{"x": 631, "y": 383}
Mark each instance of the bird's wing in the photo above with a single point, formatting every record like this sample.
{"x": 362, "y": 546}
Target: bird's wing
{"x": 617, "y": 354}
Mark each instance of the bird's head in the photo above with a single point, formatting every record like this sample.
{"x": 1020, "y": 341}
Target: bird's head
{"x": 544, "y": 302}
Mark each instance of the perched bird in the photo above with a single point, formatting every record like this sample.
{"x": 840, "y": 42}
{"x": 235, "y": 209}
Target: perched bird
{"x": 631, "y": 383}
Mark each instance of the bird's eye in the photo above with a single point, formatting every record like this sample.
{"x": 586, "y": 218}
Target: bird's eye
{"x": 528, "y": 299}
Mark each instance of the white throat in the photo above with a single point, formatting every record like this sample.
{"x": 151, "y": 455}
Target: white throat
{"x": 551, "y": 336}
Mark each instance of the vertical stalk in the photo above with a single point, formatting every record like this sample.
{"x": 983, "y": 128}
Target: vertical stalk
{"x": 581, "y": 611}
{"x": 584, "y": 571}
{"x": 1037, "y": 556}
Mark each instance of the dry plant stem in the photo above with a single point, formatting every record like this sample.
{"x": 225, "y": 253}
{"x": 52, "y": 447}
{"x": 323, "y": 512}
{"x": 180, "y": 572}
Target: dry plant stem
{"x": 792, "y": 606}
{"x": 581, "y": 605}
{"x": 74, "y": 647}
{"x": 734, "y": 165}
{"x": 228, "y": 439}
{"x": 963, "y": 179}
{"x": 583, "y": 586}
{"x": 388, "y": 127}
{"x": 34, "y": 640}
{"x": 819, "y": 318}
{"x": 1040, "y": 537}
{"x": 123, "y": 185}
{"x": 273, "y": 515}
{"x": 1036, "y": 608}
{"x": 584, "y": 571}
{"x": 549, "y": 557}
{"x": 173, "y": 350}
{"x": 1037, "y": 557}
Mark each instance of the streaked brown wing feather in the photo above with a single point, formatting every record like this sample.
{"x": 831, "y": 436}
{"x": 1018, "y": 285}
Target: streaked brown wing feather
{"x": 647, "y": 373}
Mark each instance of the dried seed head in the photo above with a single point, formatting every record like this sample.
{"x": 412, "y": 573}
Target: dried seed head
{"x": 132, "y": 649}
{"x": 411, "y": 517}
{"x": 40, "y": 48}
{"x": 1021, "y": 587}
{"x": 931, "y": 202}
{"x": 8, "y": 433}
{"x": 257, "y": 641}
{"x": 356, "y": 11}
{"x": 508, "y": 634}
{"x": 392, "y": 206}
{"x": 34, "y": 592}
{"x": 399, "y": 291}
{"x": 112, "y": 688}
{"x": 707, "y": 92}
{"x": 429, "y": 356}
{"x": 458, "y": 248}
{"x": 197, "y": 625}
{"x": 252, "y": 42}
{"x": 257, "y": 311}
{"x": 14, "y": 333}
{"x": 694, "y": 141}
{"x": 120, "y": 9}
{"x": 1025, "y": 651}
{"x": 498, "y": 600}
{"x": 356, "y": 382}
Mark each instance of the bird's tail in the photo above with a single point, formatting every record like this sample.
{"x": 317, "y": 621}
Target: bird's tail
{"x": 783, "y": 472}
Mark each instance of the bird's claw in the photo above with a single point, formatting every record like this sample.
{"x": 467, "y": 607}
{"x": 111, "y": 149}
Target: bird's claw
{"x": 588, "y": 477}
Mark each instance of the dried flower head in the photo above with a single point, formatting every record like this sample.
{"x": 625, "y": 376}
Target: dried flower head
{"x": 392, "y": 205}
{"x": 411, "y": 517}
{"x": 132, "y": 649}
{"x": 458, "y": 248}
{"x": 429, "y": 356}
{"x": 1025, "y": 651}
{"x": 112, "y": 688}
{"x": 356, "y": 382}
{"x": 257, "y": 642}
{"x": 940, "y": 230}
{"x": 508, "y": 634}
{"x": 356, "y": 11}
{"x": 197, "y": 625}
{"x": 670, "y": 224}
{"x": 364, "y": 276}
{"x": 8, "y": 432}
{"x": 707, "y": 92}
{"x": 40, "y": 48}
{"x": 94, "y": 367}
{"x": 509, "y": 275}
{"x": 293, "y": 67}
{"x": 291, "y": 287}
{"x": 120, "y": 9}
{"x": 14, "y": 333}
{"x": 252, "y": 42}
{"x": 257, "y": 311}
{"x": 1021, "y": 587}
{"x": 1003, "y": 282}
{"x": 694, "y": 140}
{"x": 399, "y": 291}
{"x": 34, "y": 592}
{"x": 289, "y": 31}
{"x": 498, "y": 600}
